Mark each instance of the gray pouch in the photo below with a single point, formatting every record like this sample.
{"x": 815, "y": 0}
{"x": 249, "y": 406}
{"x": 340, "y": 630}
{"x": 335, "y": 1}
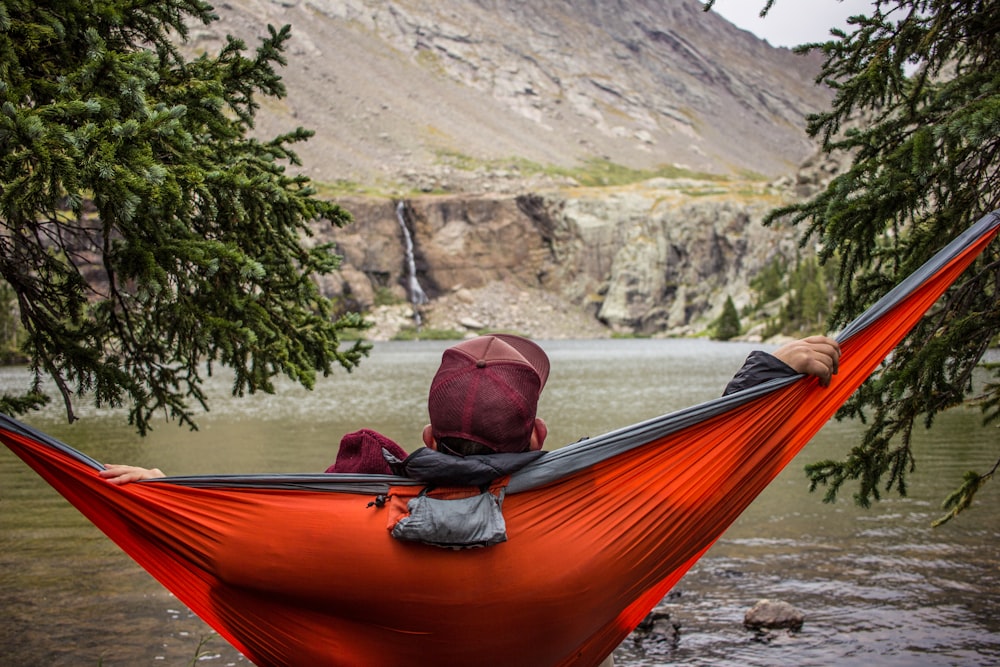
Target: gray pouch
{"x": 462, "y": 523}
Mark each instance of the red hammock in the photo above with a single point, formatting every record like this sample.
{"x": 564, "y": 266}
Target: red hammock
{"x": 301, "y": 569}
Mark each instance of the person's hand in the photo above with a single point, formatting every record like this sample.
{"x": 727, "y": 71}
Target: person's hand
{"x": 815, "y": 355}
{"x": 121, "y": 474}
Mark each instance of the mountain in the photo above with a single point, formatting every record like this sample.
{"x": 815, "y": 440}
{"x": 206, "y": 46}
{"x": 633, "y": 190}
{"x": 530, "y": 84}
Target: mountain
{"x": 463, "y": 130}
{"x": 449, "y": 94}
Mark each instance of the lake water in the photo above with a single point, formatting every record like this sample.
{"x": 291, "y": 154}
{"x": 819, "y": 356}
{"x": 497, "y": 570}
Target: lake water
{"x": 878, "y": 586}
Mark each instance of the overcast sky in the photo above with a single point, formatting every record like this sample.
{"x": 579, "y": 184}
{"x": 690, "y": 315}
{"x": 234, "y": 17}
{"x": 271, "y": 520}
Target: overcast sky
{"x": 791, "y": 22}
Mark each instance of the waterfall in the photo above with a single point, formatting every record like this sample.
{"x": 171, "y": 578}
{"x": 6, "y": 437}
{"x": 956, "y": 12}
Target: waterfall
{"x": 416, "y": 293}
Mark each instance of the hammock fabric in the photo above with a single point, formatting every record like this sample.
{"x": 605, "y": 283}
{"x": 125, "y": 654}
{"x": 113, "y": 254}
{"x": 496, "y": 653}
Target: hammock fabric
{"x": 301, "y": 569}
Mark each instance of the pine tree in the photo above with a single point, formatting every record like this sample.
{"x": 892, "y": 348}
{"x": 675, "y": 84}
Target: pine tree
{"x": 147, "y": 236}
{"x": 728, "y": 324}
{"x": 917, "y": 106}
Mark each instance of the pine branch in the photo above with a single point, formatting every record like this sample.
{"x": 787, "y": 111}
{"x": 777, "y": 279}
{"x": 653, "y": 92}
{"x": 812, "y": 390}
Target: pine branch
{"x": 961, "y": 498}
{"x": 925, "y": 163}
{"x": 146, "y": 236}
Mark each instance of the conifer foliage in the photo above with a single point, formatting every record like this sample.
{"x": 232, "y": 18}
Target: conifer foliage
{"x": 147, "y": 236}
{"x": 917, "y": 106}
{"x": 727, "y": 326}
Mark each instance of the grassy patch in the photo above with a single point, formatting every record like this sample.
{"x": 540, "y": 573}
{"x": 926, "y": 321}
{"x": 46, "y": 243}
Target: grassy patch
{"x": 600, "y": 172}
{"x": 596, "y": 172}
{"x": 345, "y": 188}
{"x": 351, "y": 335}
{"x": 385, "y": 297}
{"x": 341, "y": 188}
{"x": 629, "y": 335}
{"x": 413, "y": 333}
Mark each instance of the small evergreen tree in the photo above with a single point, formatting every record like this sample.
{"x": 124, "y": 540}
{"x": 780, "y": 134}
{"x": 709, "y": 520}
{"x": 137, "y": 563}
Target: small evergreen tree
{"x": 807, "y": 295}
{"x": 925, "y": 77}
{"x": 769, "y": 283}
{"x": 727, "y": 326}
{"x": 147, "y": 236}
{"x": 810, "y": 302}
{"x": 10, "y": 329}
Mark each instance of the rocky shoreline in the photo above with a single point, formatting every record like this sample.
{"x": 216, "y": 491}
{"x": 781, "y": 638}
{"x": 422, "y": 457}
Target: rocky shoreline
{"x": 497, "y": 306}
{"x": 502, "y": 307}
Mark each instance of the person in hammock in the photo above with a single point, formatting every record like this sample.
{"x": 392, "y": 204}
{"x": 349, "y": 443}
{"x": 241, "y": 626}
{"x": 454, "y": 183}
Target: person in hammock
{"x": 482, "y": 404}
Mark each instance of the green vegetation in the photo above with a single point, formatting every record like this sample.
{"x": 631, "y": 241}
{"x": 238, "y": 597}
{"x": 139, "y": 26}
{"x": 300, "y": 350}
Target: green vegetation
{"x": 810, "y": 300}
{"x": 805, "y": 291}
{"x": 147, "y": 237}
{"x": 385, "y": 297}
{"x": 599, "y": 172}
{"x": 12, "y": 336}
{"x": 917, "y": 108}
{"x": 413, "y": 333}
{"x": 343, "y": 188}
{"x": 727, "y": 326}
{"x": 629, "y": 335}
{"x": 596, "y": 172}
{"x": 770, "y": 282}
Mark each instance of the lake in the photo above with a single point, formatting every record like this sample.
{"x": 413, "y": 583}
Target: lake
{"x": 877, "y": 586}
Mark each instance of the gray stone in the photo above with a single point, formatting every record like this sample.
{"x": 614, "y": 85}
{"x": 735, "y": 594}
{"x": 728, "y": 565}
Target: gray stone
{"x": 773, "y": 614}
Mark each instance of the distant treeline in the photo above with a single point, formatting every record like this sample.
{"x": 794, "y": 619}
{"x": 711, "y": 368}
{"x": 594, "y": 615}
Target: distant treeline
{"x": 806, "y": 290}
{"x": 11, "y": 333}
{"x": 791, "y": 299}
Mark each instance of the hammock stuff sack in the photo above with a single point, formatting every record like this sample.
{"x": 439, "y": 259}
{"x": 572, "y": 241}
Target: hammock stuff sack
{"x": 302, "y": 569}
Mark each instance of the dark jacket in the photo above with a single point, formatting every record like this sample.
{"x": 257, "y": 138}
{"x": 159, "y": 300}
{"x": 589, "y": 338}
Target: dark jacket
{"x": 759, "y": 367}
{"x": 439, "y": 469}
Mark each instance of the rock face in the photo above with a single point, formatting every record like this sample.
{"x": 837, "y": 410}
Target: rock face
{"x": 499, "y": 104}
{"x": 658, "y": 258}
{"x": 436, "y": 94}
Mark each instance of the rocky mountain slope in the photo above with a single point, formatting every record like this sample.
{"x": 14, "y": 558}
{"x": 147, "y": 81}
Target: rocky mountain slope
{"x": 422, "y": 93}
{"x": 473, "y": 119}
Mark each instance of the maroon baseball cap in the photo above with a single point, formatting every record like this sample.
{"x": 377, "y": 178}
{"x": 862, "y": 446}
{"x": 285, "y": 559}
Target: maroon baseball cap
{"x": 486, "y": 390}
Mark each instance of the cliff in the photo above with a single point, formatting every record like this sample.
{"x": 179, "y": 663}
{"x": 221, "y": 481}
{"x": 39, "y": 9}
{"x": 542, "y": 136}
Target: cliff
{"x": 659, "y": 257}
{"x": 482, "y": 117}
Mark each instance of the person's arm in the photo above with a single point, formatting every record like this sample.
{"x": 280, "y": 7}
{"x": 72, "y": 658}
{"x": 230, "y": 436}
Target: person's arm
{"x": 815, "y": 355}
{"x": 122, "y": 474}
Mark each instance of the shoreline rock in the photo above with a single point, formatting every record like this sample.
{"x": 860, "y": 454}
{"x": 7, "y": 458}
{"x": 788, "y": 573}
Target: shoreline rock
{"x": 769, "y": 614}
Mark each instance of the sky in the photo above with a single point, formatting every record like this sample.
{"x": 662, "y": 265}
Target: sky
{"x": 791, "y": 22}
